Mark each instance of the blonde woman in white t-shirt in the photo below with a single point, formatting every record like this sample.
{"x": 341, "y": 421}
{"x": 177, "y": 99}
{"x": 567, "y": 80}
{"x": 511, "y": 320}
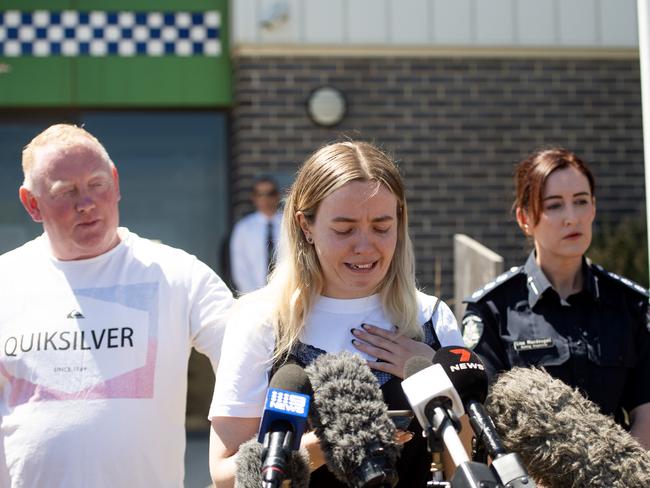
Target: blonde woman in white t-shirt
{"x": 344, "y": 280}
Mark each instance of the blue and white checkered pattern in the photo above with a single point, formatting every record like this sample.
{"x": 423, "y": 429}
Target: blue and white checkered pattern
{"x": 99, "y": 33}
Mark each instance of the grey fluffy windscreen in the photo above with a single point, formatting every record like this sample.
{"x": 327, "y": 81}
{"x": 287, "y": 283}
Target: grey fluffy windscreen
{"x": 562, "y": 437}
{"x": 415, "y": 365}
{"x": 291, "y": 377}
{"x": 349, "y": 415}
{"x": 249, "y": 466}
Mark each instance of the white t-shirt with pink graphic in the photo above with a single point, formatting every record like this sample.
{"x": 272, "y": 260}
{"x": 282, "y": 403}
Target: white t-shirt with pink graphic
{"x": 93, "y": 362}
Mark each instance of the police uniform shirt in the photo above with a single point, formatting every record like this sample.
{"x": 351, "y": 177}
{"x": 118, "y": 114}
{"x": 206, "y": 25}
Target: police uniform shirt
{"x": 597, "y": 340}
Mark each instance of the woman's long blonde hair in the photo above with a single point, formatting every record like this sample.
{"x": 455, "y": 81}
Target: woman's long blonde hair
{"x": 297, "y": 279}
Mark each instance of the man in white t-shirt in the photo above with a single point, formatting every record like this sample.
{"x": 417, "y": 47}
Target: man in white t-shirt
{"x": 255, "y": 238}
{"x": 96, "y": 328}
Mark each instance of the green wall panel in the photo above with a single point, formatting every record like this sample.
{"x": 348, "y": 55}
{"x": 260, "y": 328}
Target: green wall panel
{"x": 30, "y": 82}
{"x": 37, "y": 4}
{"x": 146, "y": 81}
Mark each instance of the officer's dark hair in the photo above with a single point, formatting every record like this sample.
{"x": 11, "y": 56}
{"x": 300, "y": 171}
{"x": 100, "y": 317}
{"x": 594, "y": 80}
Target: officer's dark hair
{"x": 531, "y": 175}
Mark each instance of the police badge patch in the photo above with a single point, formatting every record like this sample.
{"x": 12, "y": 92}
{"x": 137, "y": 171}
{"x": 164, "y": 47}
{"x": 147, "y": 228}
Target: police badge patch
{"x": 472, "y": 330}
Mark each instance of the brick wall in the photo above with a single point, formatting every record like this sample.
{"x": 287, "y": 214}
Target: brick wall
{"x": 456, "y": 127}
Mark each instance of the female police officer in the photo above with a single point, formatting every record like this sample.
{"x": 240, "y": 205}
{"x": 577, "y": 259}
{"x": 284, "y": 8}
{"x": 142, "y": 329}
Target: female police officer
{"x": 584, "y": 325}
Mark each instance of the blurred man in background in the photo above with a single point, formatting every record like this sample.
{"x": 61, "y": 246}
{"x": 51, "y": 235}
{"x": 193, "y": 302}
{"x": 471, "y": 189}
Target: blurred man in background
{"x": 254, "y": 238}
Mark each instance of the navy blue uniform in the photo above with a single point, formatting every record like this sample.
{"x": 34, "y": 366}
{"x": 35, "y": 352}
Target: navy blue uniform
{"x": 597, "y": 340}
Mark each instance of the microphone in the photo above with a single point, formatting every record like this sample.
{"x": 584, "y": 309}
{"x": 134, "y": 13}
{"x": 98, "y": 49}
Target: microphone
{"x": 563, "y": 438}
{"x": 467, "y": 373}
{"x": 350, "y": 419}
{"x": 437, "y": 406}
{"x": 249, "y": 466}
{"x": 283, "y": 421}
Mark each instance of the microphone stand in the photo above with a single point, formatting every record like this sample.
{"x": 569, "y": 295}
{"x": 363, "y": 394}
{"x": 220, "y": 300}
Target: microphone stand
{"x": 436, "y": 446}
{"x": 444, "y": 432}
{"x": 508, "y": 467}
{"x": 443, "y": 419}
{"x": 506, "y": 470}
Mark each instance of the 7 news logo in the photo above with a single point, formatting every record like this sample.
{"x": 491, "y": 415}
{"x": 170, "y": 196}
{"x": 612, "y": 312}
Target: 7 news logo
{"x": 466, "y": 360}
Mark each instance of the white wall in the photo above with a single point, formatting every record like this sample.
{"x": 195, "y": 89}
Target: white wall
{"x": 422, "y": 23}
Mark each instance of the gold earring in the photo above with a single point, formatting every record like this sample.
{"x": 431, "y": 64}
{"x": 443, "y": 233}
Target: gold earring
{"x": 310, "y": 240}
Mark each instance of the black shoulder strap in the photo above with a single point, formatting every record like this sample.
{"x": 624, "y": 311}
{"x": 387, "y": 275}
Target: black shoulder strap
{"x": 435, "y": 307}
{"x": 430, "y": 336}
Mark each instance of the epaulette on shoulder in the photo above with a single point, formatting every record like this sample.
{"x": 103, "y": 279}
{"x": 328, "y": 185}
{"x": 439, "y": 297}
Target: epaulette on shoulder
{"x": 502, "y": 278}
{"x": 622, "y": 280}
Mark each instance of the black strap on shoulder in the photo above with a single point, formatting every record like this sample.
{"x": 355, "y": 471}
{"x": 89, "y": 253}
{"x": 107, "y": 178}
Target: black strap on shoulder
{"x": 435, "y": 307}
{"x": 432, "y": 340}
{"x": 294, "y": 357}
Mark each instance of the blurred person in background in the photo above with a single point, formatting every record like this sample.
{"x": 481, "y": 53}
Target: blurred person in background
{"x": 255, "y": 237}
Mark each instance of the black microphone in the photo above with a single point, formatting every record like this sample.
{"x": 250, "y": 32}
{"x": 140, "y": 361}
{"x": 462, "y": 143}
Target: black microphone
{"x": 248, "y": 473}
{"x": 350, "y": 419}
{"x": 437, "y": 406}
{"x": 563, "y": 438}
{"x": 467, "y": 373}
{"x": 283, "y": 423}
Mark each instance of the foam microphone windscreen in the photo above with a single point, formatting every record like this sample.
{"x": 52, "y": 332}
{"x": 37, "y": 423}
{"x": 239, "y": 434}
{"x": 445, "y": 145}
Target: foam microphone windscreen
{"x": 249, "y": 466}
{"x": 465, "y": 370}
{"x": 415, "y": 364}
{"x": 350, "y": 419}
{"x": 291, "y": 377}
{"x": 562, "y": 437}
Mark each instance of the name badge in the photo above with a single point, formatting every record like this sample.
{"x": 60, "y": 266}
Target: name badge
{"x": 533, "y": 344}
